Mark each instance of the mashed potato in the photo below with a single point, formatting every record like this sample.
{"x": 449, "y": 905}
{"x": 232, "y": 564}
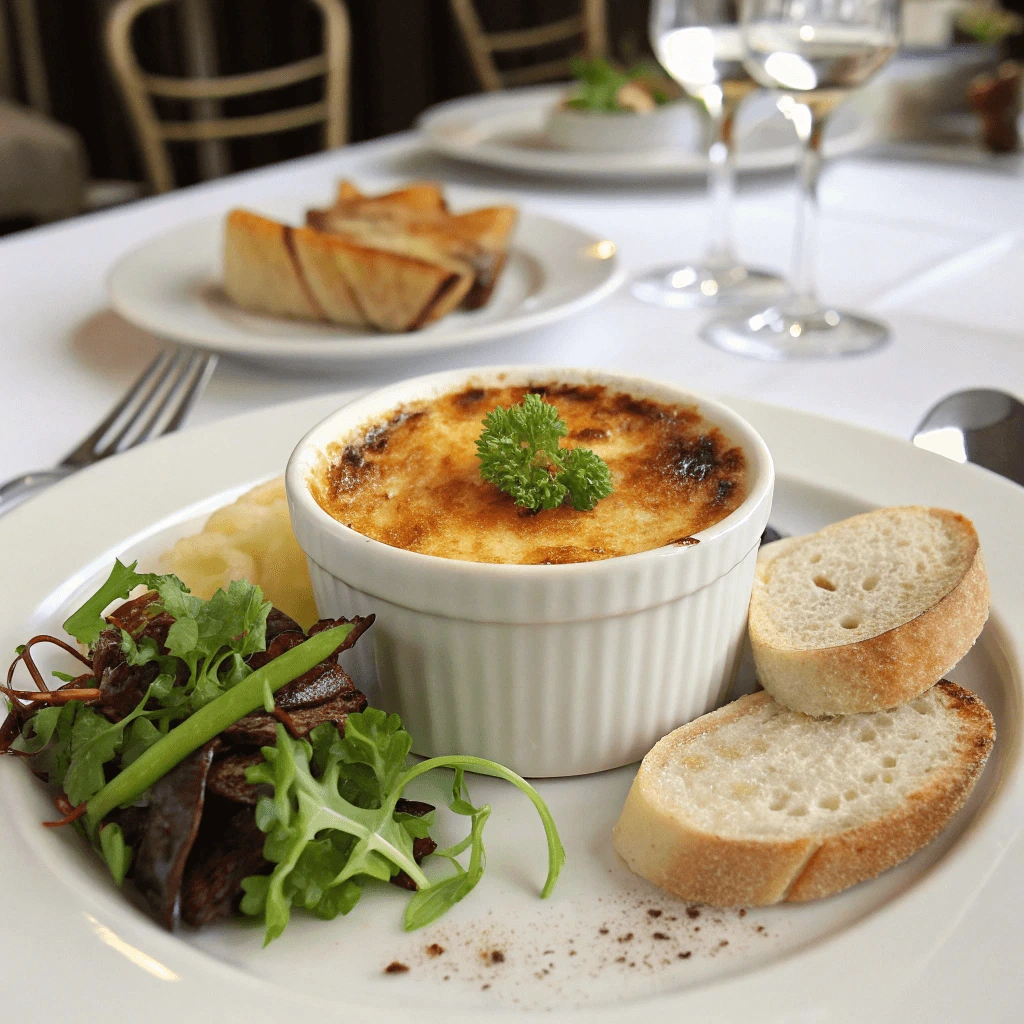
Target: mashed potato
{"x": 251, "y": 539}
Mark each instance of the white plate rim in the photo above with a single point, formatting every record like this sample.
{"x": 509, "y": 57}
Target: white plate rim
{"x": 219, "y": 337}
{"x": 806, "y": 984}
{"x": 630, "y": 167}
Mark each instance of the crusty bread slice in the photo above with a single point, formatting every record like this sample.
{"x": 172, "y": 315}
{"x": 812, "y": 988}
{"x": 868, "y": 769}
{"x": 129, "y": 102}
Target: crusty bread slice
{"x": 415, "y": 199}
{"x": 484, "y": 237}
{"x": 754, "y": 804}
{"x": 260, "y": 269}
{"x": 316, "y": 254}
{"x": 479, "y": 238}
{"x": 400, "y": 290}
{"x": 869, "y": 612}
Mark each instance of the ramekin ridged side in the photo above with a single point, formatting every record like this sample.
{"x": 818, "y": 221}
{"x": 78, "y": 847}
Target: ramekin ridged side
{"x": 552, "y": 670}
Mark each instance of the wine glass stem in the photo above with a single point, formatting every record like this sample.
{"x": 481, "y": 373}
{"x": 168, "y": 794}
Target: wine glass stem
{"x": 721, "y": 187}
{"x": 805, "y": 242}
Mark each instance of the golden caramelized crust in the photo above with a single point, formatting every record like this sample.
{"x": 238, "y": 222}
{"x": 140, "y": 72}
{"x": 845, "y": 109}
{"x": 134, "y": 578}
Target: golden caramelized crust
{"x": 411, "y": 479}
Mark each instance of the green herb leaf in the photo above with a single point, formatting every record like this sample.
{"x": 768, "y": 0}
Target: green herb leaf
{"x": 138, "y": 738}
{"x": 586, "y": 477}
{"x": 598, "y": 82}
{"x": 212, "y": 719}
{"x": 302, "y": 809}
{"x": 47, "y": 735}
{"x": 64, "y": 677}
{"x": 310, "y": 809}
{"x": 377, "y": 740}
{"x": 86, "y": 624}
{"x": 427, "y": 905}
{"x": 520, "y": 454}
{"x": 115, "y": 851}
{"x": 94, "y": 741}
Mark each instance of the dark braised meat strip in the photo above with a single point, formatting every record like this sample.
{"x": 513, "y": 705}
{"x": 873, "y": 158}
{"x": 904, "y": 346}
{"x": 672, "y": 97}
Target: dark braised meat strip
{"x": 278, "y": 622}
{"x": 230, "y": 848}
{"x": 175, "y": 809}
{"x": 227, "y": 778}
{"x": 258, "y": 729}
{"x": 417, "y": 808}
{"x": 324, "y": 683}
{"x": 122, "y": 686}
{"x": 133, "y": 615}
{"x": 133, "y": 826}
{"x": 420, "y": 847}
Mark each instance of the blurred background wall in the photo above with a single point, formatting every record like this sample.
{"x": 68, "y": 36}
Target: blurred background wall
{"x": 406, "y": 55}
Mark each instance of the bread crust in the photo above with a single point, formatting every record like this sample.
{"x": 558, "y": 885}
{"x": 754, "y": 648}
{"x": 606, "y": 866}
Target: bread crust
{"x": 657, "y": 842}
{"x": 883, "y": 671}
{"x": 853, "y": 856}
{"x": 396, "y": 262}
{"x": 260, "y": 269}
{"x": 660, "y": 845}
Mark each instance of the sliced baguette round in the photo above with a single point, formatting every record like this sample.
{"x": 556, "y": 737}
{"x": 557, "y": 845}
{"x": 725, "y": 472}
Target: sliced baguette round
{"x": 869, "y": 612}
{"x": 754, "y": 804}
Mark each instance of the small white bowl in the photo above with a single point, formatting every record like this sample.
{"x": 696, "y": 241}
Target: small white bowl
{"x": 549, "y": 669}
{"x": 671, "y": 126}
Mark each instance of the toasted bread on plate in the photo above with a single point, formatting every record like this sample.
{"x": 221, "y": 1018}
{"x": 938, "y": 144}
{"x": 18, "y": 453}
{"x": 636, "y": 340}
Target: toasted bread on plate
{"x": 755, "y": 804}
{"x": 869, "y": 612}
{"x": 323, "y": 273}
{"x": 399, "y": 290}
{"x": 261, "y": 272}
{"x": 480, "y": 237}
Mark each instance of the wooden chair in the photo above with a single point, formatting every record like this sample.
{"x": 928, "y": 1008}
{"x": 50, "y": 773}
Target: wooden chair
{"x": 139, "y": 88}
{"x": 590, "y": 23}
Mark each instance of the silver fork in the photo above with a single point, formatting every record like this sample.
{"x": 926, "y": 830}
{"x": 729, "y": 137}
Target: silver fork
{"x": 156, "y": 404}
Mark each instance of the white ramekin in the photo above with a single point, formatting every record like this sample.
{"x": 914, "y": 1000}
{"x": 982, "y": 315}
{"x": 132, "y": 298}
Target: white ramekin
{"x": 672, "y": 126}
{"x": 549, "y": 669}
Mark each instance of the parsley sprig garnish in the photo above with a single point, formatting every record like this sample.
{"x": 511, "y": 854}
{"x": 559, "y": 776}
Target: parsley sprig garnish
{"x": 520, "y": 454}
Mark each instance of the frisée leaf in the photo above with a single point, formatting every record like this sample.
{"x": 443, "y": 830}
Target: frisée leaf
{"x": 332, "y": 822}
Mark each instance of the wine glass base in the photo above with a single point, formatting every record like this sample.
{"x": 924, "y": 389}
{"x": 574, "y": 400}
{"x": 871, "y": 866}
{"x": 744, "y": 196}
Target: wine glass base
{"x": 796, "y": 333}
{"x": 703, "y": 285}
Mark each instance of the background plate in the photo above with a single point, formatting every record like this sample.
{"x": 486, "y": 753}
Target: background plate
{"x": 77, "y": 951}
{"x": 170, "y": 286}
{"x": 506, "y": 129}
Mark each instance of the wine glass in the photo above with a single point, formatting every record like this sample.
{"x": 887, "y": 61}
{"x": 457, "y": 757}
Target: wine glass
{"x": 816, "y": 51}
{"x": 698, "y": 43}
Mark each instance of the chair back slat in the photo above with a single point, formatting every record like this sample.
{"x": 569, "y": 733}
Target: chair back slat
{"x": 590, "y": 25}
{"x": 139, "y": 88}
{"x": 242, "y": 127}
{"x": 225, "y": 86}
{"x": 540, "y": 35}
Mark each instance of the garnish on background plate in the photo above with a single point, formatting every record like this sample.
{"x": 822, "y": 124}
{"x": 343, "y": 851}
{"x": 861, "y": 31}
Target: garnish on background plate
{"x": 185, "y": 704}
{"x": 520, "y": 453}
{"x": 604, "y": 88}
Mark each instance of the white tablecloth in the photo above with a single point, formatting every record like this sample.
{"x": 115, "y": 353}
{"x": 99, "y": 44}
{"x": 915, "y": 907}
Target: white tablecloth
{"x": 936, "y": 250}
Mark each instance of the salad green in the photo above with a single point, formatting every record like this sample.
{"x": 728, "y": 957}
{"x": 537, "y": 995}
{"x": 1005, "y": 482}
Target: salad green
{"x": 336, "y": 820}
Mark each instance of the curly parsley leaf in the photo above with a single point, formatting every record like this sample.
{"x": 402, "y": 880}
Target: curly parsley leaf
{"x": 520, "y": 453}
{"x": 586, "y": 477}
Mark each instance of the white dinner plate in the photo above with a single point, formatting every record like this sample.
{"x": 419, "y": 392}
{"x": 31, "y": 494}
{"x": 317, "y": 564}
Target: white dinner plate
{"x": 937, "y": 939}
{"x": 506, "y": 129}
{"x": 171, "y": 287}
